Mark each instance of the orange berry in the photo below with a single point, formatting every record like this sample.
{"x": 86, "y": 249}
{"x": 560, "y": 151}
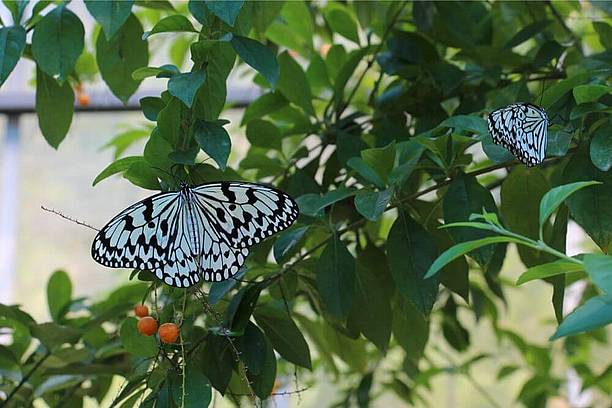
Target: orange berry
{"x": 147, "y": 326}
{"x": 83, "y": 99}
{"x": 168, "y": 333}
{"x": 141, "y": 311}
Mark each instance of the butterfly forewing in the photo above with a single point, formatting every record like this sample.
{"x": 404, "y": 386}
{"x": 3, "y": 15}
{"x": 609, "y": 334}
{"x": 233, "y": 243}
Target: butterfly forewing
{"x": 522, "y": 129}
{"x": 201, "y": 232}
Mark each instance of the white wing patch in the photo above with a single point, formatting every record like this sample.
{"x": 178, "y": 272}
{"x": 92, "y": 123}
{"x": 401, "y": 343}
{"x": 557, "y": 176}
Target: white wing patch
{"x": 202, "y": 232}
{"x": 522, "y": 128}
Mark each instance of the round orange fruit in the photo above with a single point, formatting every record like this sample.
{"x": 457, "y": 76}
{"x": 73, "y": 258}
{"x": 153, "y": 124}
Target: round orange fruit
{"x": 147, "y": 326}
{"x": 168, "y": 333}
{"x": 141, "y": 311}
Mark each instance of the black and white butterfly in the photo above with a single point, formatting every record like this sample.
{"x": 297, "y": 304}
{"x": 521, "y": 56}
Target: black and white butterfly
{"x": 522, "y": 128}
{"x": 196, "y": 232}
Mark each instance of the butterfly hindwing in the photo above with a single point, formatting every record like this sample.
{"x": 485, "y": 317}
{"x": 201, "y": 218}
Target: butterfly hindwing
{"x": 522, "y": 129}
{"x": 201, "y": 232}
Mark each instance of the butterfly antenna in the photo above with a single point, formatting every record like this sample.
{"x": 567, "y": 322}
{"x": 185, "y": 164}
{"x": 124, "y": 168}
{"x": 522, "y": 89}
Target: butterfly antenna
{"x": 84, "y": 224}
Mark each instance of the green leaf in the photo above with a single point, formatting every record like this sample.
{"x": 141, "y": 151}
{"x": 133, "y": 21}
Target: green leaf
{"x": 472, "y": 123}
{"x": 211, "y": 98}
{"x": 520, "y": 200}
{"x": 185, "y": 86}
{"x": 371, "y": 311}
{"x": 214, "y": 140}
{"x": 59, "y": 293}
{"x": 380, "y": 159}
{"x": 142, "y": 175}
{"x": 599, "y": 268}
{"x": 464, "y": 197}
{"x": 17, "y": 7}
{"x": 118, "y": 166}
{"x": 12, "y": 44}
{"x": 601, "y": 148}
{"x": 364, "y": 170}
{"x": 555, "y": 92}
{"x": 134, "y": 342}
{"x": 165, "y": 71}
{"x": 217, "y": 361}
{"x": 262, "y": 106}
{"x": 151, "y": 106}
{"x": 258, "y": 56}
{"x": 372, "y": 204}
{"x": 171, "y": 24}
{"x": 262, "y": 133}
{"x": 54, "y": 107}
{"x": 559, "y": 141}
{"x": 284, "y": 335}
{"x": 53, "y": 335}
{"x": 226, "y": 10}
{"x": 110, "y": 14}
{"x": 342, "y": 23}
{"x": 260, "y": 360}
{"x": 461, "y": 249}
{"x": 527, "y": 32}
{"x": 549, "y": 269}
{"x": 58, "y": 42}
{"x": 241, "y": 307}
{"x": 293, "y": 83}
{"x": 553, "y": 199}
{"x": 121, "y": 56}
{"x": 336, "y": 279}
{"x": 197, "y": 392}
{"x": 410, "y": 330}
{"x": 595, "y": 312}
{"x": 605, "y": 33}
{"x": 198, "y": 10}
{"x": 590, "y": 93}
{"x": 287, "y": 241}
{"x": 411, "y": 251}
{"x": 294, "y": 28}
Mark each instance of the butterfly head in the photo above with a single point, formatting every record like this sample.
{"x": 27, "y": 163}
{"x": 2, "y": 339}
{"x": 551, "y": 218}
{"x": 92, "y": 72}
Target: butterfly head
{"x": 184, "y": 186}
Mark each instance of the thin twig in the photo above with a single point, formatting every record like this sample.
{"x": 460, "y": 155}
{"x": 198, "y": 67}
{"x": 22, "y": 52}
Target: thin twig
{"x": 84, "y": 224}
{"x": 25, "y": 378}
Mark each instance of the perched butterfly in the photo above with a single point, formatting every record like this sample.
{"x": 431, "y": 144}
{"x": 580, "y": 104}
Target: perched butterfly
{"x": 521, "y": 128}
{"x": 196, "y": 232}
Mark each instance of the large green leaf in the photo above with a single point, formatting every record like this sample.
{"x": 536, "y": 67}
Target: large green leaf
{"x": 58, "y": 42}
{"x": 549, "y": 269}
{"x": 260, "y": 360}
{"x": 465, "y": 196}
{"x": 59, "y": 293}
{"x": 217, "y": 361}
{"x": 520, "y": 200}
{"x": 590, "y": 93}
{"x": 336, "y": 278}
{"x": 214, "y": 140}
{"x": 185, "y": 86}
{"x": 372, "y": 204}
{"x": 171, "y": 24}
{"x": 134, "y": 342}
{"x": 600, "y": 149}
{"x": 197, "y": 391}
{"x": 591, "y": 207}
{"x": 599, "y": 268}
{"x": 294, "y": 29}
{"x": 596, "y": 312}
{"x": 284, "y": 335}
{"x": 555, "y": 92}
{"x": 342, "y": 23}
{"x": 121, "y": 56}
{"x": 461, "y": 249}
{"x": 118, "y": 166}
{"x": 556, "y": 196}
{"x": 12, "y": 43}
{"x": 293, "y": 83}
{"x": 54, "y": 107}
{"x": 411, "y": 251}
{"x": 257, "y": 56}
{"x": 380, "y": 159}
{"x": 264, "y": 105}
{"x": 110, "y": 14}
{"x": 226, "y": 10}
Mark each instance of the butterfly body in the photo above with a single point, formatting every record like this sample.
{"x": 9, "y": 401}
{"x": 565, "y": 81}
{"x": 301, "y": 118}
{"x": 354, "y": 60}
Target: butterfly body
{"x": 201, "y": 232}
{"x": 522, "y": 128}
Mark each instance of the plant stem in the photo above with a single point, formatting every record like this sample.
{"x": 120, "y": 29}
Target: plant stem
{"x": 26, "y": 378}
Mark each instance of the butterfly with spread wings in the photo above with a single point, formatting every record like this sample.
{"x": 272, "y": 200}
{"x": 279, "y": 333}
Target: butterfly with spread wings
{"x": 201, "y": 232}
{"x": 522, "y": 128}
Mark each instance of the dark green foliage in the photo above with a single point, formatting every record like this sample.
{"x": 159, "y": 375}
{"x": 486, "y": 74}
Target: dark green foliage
{"x": 381, "y": 137}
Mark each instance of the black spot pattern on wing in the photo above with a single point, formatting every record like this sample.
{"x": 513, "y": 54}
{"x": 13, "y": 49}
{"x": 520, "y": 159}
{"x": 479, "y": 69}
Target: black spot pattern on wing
{"x": 201, "y": 232}
{"x": 522, "y": 129}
